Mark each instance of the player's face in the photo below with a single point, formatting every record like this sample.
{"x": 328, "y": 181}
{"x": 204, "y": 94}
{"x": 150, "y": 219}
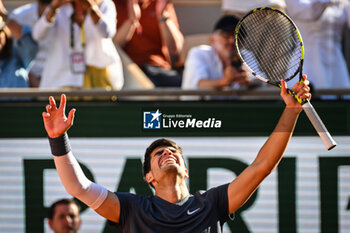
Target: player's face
{"x": 166, "y": 160}
{"x": 166, "y": 155}
{"x": 66, "y": 219}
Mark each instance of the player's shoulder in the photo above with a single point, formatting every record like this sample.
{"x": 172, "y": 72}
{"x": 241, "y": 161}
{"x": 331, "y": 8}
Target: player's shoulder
{"x": 214, "y": 190}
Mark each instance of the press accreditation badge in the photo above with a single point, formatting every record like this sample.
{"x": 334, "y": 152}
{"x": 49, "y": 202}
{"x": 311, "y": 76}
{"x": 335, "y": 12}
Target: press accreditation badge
{"x": 78, "y": 63}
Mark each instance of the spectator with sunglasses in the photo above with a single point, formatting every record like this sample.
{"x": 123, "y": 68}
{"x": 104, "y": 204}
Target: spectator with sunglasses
{"x": 216, "y": 66}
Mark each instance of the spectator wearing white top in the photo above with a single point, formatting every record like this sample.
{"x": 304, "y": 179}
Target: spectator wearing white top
{"x": 322, "y": 24}
{"x": 216, "y": 66}
{"x": 239, "y": 8}
{"x": 81, "y": 53}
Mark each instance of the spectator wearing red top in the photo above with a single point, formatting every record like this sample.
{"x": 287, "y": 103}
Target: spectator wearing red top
{"x": 148, "y": 31}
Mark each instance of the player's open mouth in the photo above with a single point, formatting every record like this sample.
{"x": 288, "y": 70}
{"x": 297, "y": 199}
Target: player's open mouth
{"x": 167, "y": 158}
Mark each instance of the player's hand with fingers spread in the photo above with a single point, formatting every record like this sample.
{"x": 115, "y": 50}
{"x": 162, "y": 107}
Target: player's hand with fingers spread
{"x": 302, "y": 89}
{"x": 55, "y": 120}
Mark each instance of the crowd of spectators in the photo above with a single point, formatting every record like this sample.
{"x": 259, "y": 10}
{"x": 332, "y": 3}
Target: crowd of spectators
{"x": 72, "y": 44}
{"x": 81, "y": 51}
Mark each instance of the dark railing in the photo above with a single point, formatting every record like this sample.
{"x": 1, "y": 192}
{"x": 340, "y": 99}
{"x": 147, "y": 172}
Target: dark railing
{"x": 160, "y": 93}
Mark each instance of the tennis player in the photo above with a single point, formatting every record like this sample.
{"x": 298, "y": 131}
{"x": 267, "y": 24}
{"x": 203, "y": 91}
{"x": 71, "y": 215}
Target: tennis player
{"x": 173, "y": 208}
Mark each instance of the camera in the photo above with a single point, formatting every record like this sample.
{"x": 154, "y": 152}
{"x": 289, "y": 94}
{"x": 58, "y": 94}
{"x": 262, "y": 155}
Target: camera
{"x": 235, "y": 60}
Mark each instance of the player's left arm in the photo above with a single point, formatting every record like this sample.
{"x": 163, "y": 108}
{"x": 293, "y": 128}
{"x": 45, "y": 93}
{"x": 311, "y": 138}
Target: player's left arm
{"x": 271, "y": 153}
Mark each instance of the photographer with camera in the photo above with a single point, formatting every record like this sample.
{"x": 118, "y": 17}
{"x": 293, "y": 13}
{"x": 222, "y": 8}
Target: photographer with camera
{"x": 81, "y": 52}
{"x": 218, "y": 65}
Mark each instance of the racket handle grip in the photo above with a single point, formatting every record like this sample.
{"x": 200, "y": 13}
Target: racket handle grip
{"x": 319, "y": 126}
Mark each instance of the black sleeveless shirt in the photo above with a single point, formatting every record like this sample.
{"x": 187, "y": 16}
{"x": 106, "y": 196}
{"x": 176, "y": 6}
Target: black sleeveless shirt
{"x": 203, "y": 212}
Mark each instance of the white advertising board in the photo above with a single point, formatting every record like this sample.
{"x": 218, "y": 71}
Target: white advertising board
{"x": 106, "y": 158}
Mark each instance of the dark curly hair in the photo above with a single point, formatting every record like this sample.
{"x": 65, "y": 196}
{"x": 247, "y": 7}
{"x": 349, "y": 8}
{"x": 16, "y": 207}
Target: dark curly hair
{"x": 154, "y": 145}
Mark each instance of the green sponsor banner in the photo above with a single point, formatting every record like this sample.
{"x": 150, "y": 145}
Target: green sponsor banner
{"x": 134, "y": 119}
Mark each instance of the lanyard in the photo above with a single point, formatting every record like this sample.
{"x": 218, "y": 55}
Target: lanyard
{"x": 82, "y": 33}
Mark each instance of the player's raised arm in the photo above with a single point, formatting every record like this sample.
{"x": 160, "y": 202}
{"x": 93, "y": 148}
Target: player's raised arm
{"x": 271, "y": 153}
{"x": 72, "y": 177}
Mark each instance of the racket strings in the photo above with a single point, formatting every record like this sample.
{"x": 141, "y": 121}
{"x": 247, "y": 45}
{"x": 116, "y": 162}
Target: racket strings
{"x": 269, "y": 45}
{"x": 281, "y": 61}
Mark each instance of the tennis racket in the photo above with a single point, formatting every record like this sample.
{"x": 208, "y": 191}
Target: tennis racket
{"x": 270, "y": 45}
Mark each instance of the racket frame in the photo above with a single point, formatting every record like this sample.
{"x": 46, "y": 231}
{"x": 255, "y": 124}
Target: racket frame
{"x": 307, "y": 106}
{"x": 302, "y": 51}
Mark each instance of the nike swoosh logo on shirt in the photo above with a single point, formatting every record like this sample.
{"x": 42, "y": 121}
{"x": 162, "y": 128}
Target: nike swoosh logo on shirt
{"x": 192, "y": 212}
